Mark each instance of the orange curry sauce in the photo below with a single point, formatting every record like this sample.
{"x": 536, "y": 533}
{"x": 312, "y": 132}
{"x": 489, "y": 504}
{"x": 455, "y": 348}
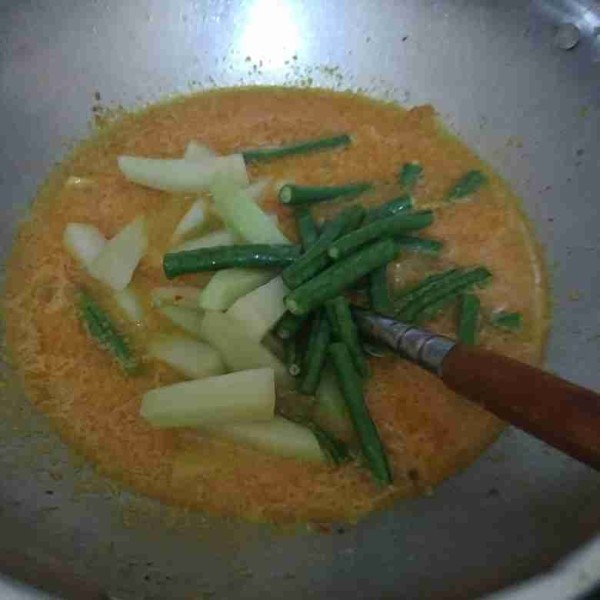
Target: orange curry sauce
{"x": 429, "y": 432}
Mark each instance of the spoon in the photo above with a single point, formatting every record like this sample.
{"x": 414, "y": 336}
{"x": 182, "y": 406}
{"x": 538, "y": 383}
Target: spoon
{"x": 556, "y": 411}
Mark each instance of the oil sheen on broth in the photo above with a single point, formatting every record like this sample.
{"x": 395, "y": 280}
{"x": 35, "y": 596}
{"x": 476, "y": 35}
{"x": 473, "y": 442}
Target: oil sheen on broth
{"x": 429, "y": 432}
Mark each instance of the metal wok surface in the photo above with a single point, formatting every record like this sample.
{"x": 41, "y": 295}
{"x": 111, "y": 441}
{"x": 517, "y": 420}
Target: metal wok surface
{"x": 502, "y": 80}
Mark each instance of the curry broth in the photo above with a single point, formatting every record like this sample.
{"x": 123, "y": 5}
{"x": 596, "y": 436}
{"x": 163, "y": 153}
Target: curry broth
{"x": 428, "y": 431}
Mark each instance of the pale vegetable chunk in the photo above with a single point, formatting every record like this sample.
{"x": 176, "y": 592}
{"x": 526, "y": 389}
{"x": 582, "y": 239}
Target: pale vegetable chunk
{"x": 242, "y": 215}
{"x": 198, "y": 152}
{"x": 277, "y": 436}
{"x": 186, "y": 297}
{"x": 188, "y": 319}
{"x": 191, "y": 358}
{"x": 130, "y": 305}
{"x": 194, "y": 220}
{"x": 258, "y": 311}
{"x": 84, "y": 242}
{"x": 238, "y": 351}
{"x": 119, "y": 258}
{"x": 210, "y": 240}
{"x": 236, "y": 397}
{"x": 182, "y": 175}
{"x": 226, "y": 286}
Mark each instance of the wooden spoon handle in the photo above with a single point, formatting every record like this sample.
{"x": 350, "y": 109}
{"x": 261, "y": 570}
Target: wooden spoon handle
{"x": 560, "y": 413}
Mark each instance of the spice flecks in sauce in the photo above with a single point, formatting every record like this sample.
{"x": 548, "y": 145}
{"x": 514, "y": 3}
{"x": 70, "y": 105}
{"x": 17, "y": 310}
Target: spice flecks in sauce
{"x": 425, "y": 428}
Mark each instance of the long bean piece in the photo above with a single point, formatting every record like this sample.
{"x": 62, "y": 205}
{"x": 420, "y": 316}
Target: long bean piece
{"x": 316, "y": 353}
{"x": 305, "y": 194}
{"x": 468, "y": 318}
{"x": 466, "y": 185}
{"x": 306, "y": 226}
{"x": 381, "y": 228}
{"x": 289, "y": 325}
{"x": 303, "y": 147}
{"x": 316, "y": 258}
{"x": 101, "y": 328}
{"x": 351, "y": 386}
{"x": 409, "y": 175}
{"x": 389, "y": 208}
{"x": 379, "y": 293}
{"x": 410, "y": 243}
{"x": 344, "y": 330}
{"x": 425, "y": 287}
{"x": 425, "y": 308}
{"x": 335, "y": 279}
{"x": 335, "y": 449}
{"x": 434, "y": 308}
{"x": 223, "y": 257}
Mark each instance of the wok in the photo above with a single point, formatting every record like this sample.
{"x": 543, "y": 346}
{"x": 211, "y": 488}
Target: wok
{"x": 527, "y": 99}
